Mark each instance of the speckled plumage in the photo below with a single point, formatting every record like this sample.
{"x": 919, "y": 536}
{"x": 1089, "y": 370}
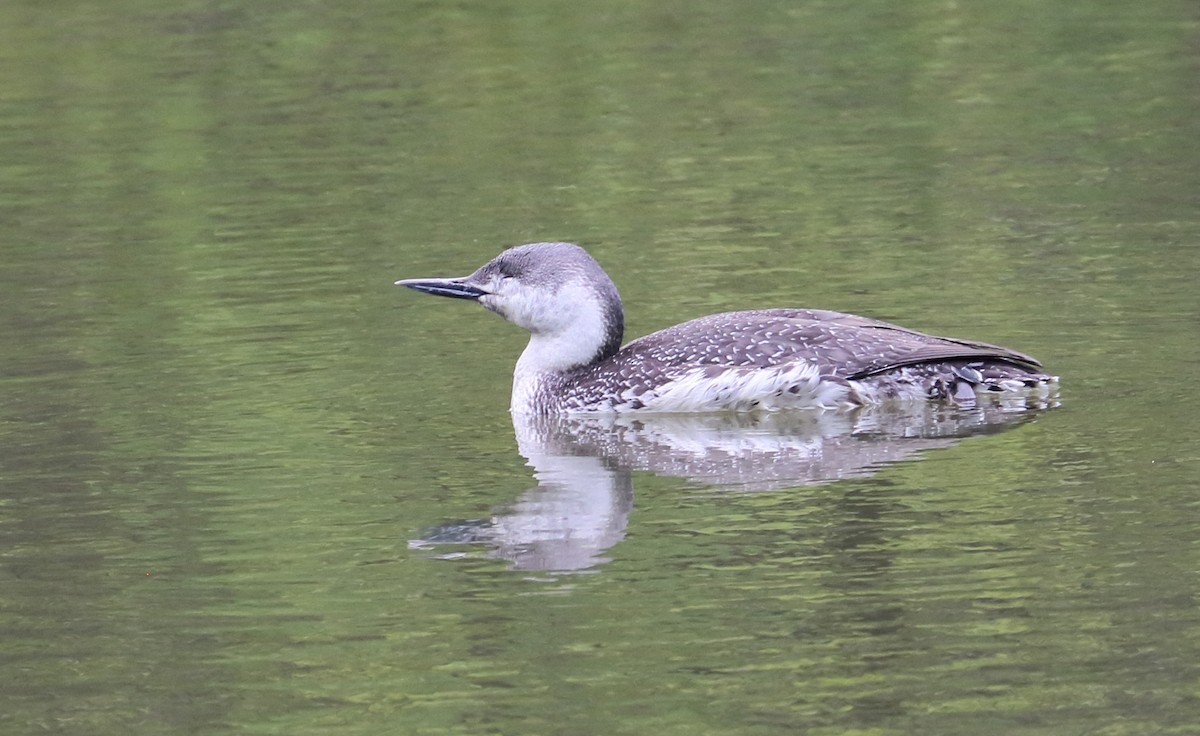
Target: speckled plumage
{"x": 736, "y": 361}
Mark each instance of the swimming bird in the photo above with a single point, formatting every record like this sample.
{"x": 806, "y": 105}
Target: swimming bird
{"x": 758, "y": 360}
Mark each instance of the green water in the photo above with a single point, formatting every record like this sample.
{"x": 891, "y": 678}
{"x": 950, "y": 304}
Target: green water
{"x": 228, "y": 446}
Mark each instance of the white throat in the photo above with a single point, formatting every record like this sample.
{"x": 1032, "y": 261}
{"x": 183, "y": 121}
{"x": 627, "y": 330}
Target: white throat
{"x": 572, "y": 339}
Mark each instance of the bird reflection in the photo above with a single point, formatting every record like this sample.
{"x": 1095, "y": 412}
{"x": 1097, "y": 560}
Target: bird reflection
{"x": 584, "y": 464}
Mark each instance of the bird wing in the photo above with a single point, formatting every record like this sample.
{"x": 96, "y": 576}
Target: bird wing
{"x": 839, "y": 344}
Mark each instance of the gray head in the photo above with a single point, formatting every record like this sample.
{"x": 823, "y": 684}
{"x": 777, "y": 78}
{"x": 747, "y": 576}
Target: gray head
{"x": 555, "y": 290}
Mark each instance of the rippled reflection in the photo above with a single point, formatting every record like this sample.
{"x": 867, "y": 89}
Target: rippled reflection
{"x": 583, "y": 466}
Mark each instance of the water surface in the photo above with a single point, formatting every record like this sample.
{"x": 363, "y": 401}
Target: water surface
{"x": 227, "y": 443}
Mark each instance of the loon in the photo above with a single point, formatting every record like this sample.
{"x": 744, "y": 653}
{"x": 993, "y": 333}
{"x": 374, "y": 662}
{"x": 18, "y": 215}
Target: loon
{"x": 759, "y": 360}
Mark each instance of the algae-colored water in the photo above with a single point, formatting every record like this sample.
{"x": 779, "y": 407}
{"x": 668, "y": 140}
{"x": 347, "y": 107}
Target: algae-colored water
{"x": 247, "y": 486}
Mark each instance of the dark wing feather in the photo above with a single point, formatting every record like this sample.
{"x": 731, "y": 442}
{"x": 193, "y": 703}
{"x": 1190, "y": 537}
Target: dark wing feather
{"x": 844, "y": 345}
{"x": 916, "y": 347}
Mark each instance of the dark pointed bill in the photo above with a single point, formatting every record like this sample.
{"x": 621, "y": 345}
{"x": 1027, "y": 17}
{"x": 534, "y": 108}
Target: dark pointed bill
{"x": 454, "y": 288}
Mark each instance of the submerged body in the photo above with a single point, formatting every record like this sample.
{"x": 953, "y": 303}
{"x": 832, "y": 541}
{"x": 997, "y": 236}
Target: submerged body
{"x": 736, "y": 361}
